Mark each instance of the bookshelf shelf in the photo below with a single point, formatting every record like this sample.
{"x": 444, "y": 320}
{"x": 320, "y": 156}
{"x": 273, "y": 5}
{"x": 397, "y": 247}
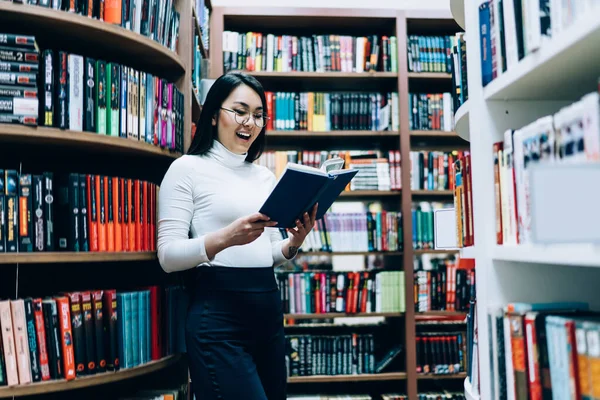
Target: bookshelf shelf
{"x": 88, "y": 381}
{"x": 538, "y": 76}
{"x": 461, "y": 121}
{"x": 87, "y": 141}
{"x": 423, "y": 377}
{"x": 390, "y": 376}
{"x": 429, "y": 75}
{"x": 469, "y": 395}
{"x": 437, "y": 314}
{"x": 432, "y": 251}
{"x": 94, "y": 38}
{"x": 70, "y": 257}
{"x": 586, "y": 255}
{"x": 440, "y": 193}
{"x": 324, "y": 75}
{"x": 351, "y": 253}
{"x": 370, "y": 193}
{"x": 343, "y": 315}
{"x": 434, "y": 134}
{"x": 333, "y": 134}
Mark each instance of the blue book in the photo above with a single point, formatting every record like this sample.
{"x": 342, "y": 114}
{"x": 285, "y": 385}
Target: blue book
{"x": 300, "y": 187}
{"x": 485, "y": 43}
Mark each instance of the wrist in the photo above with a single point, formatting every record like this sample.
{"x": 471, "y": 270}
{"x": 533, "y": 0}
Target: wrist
{"x": 215, "y": 242}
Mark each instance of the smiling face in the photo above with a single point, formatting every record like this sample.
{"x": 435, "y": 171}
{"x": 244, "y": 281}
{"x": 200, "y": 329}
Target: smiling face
{"x": 243, "y": 102}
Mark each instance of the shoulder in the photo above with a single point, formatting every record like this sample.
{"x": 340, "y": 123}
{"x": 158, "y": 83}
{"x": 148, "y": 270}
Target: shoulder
{"x": 263, "y": 173}
{"x": 181, "y": 170}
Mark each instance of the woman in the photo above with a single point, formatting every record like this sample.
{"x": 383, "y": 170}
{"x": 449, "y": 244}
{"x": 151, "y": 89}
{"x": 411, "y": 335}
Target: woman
{"x": 208, "y": 221}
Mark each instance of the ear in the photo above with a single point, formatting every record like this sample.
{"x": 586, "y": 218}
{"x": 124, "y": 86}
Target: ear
{"x": 214, "y": 121}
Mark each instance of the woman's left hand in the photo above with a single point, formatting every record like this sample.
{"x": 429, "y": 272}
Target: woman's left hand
{"x": 303, "y": 227}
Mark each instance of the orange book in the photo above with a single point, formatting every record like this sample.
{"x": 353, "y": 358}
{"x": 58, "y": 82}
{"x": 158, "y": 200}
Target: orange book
{"x": 112, "y": 11}
{"x": 139, "y": 218}
{"x": 125, "y": 193}
{"x": 92, "y": 214}
{"x": 101, "y": 213}
{"x": 66, "y": 337}
{"x": 110, "y": 220}
{"x": 40, "y": 331}
{"x": 132, "y": 212}
{"x": 117, "y": 216}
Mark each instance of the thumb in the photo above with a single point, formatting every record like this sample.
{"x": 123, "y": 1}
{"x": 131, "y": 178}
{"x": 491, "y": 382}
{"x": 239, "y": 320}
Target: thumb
{"x": 258, "y": 217}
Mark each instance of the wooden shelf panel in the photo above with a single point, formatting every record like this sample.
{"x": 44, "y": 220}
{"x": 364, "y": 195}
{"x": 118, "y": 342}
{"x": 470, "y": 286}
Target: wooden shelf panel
{"x": 87, "y": 141}
{"x": 71, "y": 257}
{"x": 440, "y": 314}
{"x": 429, "y": 75}
{"x": 87, "y": 36}
{"x": 87, "y": 381}
{"x": 351, "y": 253}
{"x": 370, "y": 193}
{"x": 334, "y": 134}
{"x": 390, "y": 376}
{"x": 434, "y": 134}
{"x": 343, "y": 315}
{"x": 323, "y": 75}
{"x": 441, "y": 193}
{"x": 423, "y": 377}
{"x": 432, "y": 251}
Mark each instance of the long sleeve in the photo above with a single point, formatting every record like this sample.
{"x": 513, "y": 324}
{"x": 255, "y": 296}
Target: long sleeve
{"x": 176, "y": 251}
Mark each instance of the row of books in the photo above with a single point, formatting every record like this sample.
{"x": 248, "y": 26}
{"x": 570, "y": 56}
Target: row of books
{"x": 463, "y": 201}
{"x": 443, "y": 284}
{"x": 19, "y": 56}
{"x": 324, "y": 112}
{"x": 369, "y": 231}
{"x": 168, "y": 393}
{"x": 512, "y": 30}
{"x": 342, "y": 292}
{"x": 309, "y": 355}
{"x": 255, "y": 51}
{"x": 76, "y": 212}
{"x": 376, "y": 172}
{"x": 440, "y": 353}
{"x": 430, "y": 53}
{"x": 431, "y": 111}
{"x": 75, "y": 334}
{"x": 203, "y": 18}
{"x": 570, "y": 136}
{"x": 423, "y": 223}
{"x": 433, "y": 170}
{"x": 460, "y": 87}
{"x": 200, "y": 66}
{"x": 544, "y": 350}
{"x": 446, "y": 395}
{"x": 154, "y": 19}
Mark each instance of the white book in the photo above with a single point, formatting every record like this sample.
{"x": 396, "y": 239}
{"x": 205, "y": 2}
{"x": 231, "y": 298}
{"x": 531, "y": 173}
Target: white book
{"x": 21, "y": 341}
{"x": 510, "y": 34}
{"x": 8, "y": 343}
{"x": 75, "y": 68}
{"x": 509, "y": 177}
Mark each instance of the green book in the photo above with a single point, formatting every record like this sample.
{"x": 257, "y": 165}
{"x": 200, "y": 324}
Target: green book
{"x": 113, "y": 82}
{"x": 101, "y": 97}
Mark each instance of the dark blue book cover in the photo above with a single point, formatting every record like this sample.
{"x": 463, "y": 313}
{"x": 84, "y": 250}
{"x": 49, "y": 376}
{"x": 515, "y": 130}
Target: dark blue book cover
{"x": 299, "y": 188}
{"x": 485, "y": 43}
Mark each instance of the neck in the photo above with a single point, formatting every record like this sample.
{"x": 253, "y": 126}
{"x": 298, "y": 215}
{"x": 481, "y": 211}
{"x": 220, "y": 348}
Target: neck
{"x": 225, "y": 156}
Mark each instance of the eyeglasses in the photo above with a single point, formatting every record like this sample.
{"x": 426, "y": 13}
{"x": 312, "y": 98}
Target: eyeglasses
{"x": 242, "y": 117}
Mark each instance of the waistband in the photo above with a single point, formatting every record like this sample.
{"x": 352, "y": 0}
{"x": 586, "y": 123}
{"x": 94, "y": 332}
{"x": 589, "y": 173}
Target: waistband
{"x": 236, "y": 279}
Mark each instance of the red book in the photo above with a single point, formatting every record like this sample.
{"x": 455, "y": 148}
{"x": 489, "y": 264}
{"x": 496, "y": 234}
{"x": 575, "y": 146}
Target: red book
{"x": 155, "y": 322}
{"x": 66, "y": 337}
{"x": 40, "y": 332}
{"x": 124, "y": 184}
{"x": 117, "y": 214}
{"x": 138, "y": 215}
{"x": 101, "y": 214}
{"x": 92, "y": 214}
{"x": 132, "y": 206}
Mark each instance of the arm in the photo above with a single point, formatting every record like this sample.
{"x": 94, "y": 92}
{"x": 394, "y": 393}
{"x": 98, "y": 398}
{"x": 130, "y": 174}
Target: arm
{"x": 176, "y": 251}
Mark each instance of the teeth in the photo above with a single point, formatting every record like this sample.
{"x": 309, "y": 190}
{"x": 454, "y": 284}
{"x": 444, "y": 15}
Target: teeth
{"x": 243, "y": 134}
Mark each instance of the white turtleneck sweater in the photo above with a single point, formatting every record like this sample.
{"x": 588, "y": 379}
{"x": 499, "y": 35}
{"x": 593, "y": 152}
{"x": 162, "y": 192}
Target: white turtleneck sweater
{"x": 202, "y": 194}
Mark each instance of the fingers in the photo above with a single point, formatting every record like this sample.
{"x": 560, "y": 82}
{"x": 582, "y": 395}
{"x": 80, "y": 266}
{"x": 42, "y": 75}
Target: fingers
{"x": 263, "y": 224}
{"x": 257, "y": 217}
{"x": 313, "y": 214}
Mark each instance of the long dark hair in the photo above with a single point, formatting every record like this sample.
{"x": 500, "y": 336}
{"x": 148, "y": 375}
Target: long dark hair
{"x": 219, "y": 91}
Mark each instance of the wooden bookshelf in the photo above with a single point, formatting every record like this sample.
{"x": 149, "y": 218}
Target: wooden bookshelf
{"x": 91, "y": 37}
{"x": 72, "y": 257}
{"x": 331, "y": 134}
{"x": 437, "y": 314}
{"x": 62, "y": 385}
{"x": 323, "y": 75}
{"x": 81, "y": 141}
{"x": 433, "y": 193}
{"x": 423, "y": 377}
{"x": 351, "y": 253}
{"x": 429, "y": 75}
{"x": 434, "y": 134}
{"x": 371, "y": 193}
{"x": 432, "y": 251}
{"x": 389, "y": 376}
{"x": 343, "y": 315}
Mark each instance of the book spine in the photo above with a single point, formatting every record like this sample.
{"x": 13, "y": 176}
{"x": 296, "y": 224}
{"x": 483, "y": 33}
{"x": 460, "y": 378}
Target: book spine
{"x": 113, "y": 107}
{"x": 99, "y": 330}
{"x": 65, "y": 340}
{"x": 41, "y": 339}
{"x": 110, "y": 327}
{"x": 3, "y": 213}
{"x": 101, "y": 97}
{"x": 12, "y": 211}
{"x": 21, "y": 341}
{"x": 88, "y": 327}
{"x": 76, "y": 92}
{"x": 49, "y": 210}
{"x": 78, "y": 332}
{"x": 61, "y": 91}
{"x": 25, "y": 213}
{"x": 84, "y": 243}
{"x": 8, "y": 344}
{"x": 90, "y": 86}
{"x": 34, "y": 362}
{"x": 38, "y": 213}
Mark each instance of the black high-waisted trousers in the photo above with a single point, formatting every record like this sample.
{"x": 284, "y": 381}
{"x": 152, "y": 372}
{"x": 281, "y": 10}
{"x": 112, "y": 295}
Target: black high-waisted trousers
{"x": 234, "y": 335}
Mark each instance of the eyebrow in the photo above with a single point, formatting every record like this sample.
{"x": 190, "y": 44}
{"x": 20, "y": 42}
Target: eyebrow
{"x": 246, "y": 105}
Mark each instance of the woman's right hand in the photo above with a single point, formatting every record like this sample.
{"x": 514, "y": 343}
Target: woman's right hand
{"x": 241, "y": 231}
{"x": 247, "y": 229}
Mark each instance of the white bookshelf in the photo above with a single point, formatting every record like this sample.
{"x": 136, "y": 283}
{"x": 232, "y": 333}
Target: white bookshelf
{"x": 469, "y": 393}
{"x": 457, "y": 8}
{"x": 461, "y": 121}
{"x": 562, "y": 70}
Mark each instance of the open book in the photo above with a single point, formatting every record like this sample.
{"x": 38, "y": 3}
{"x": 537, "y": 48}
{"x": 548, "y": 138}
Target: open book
{"x": 301, "y": 186}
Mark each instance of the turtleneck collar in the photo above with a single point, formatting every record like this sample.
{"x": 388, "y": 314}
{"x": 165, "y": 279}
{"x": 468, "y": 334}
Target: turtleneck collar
{"x": 223, "y": 155}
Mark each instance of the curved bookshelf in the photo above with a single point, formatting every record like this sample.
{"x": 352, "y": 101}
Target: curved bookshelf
{"x": 584, "y": 255}
{"x": 72, "y": 257}
{"x": 343, "y": 315}
{"x": 323, "y": 75}
{"x": 94, "y": 38}
{"x": 80, "y": 140}
{"x": 457, "y": 8}
{"x": 461, "y": 121}
{"x": 389, "y": 376}
{"x": 564, "y": 67}
{"x": 88, "y": 381}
